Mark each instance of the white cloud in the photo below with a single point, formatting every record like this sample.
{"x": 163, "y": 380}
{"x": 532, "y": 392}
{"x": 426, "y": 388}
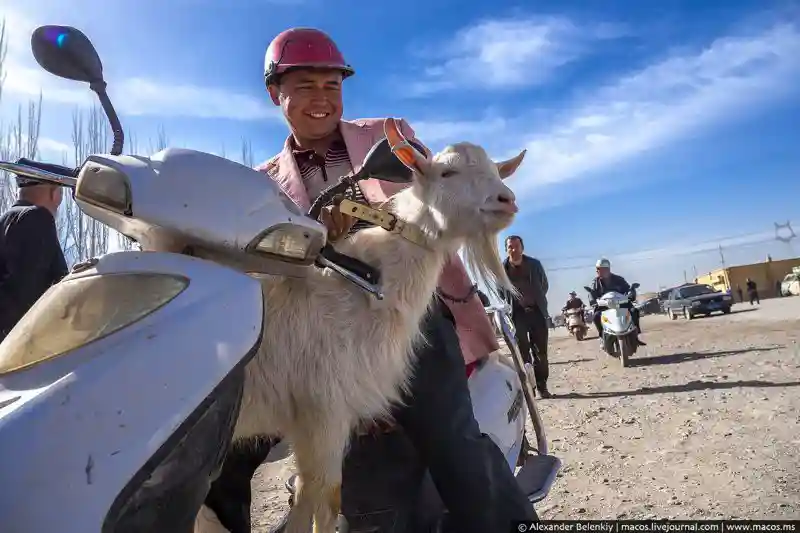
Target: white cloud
{"x": 132, "y": 96}
{"x": 53, "y": 146}
{"x": 663, "y": 103}
{"x": 508, "y": 53}
{"x": 432, "y": 131}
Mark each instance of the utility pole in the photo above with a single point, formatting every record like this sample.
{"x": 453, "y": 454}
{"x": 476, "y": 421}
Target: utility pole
{"x": 721, "y": 256}
{"x": 685, "y": 279}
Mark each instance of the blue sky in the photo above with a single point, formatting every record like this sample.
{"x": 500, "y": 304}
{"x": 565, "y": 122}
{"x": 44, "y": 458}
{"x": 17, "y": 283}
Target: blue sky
{"x": 655, "y": 130}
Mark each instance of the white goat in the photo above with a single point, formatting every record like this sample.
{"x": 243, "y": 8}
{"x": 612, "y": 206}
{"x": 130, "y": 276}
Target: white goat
{"x": 332, "y": 355}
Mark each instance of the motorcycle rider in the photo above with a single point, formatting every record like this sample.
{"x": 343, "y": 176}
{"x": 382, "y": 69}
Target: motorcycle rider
{"x": 604, "y": 282}
{"x": 436, "y": 427}
{"x": 573, "y": 302}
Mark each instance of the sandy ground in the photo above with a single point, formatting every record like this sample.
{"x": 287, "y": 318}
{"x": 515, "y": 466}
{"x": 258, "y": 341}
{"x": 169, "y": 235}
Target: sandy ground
{"x": 704, "y": 424}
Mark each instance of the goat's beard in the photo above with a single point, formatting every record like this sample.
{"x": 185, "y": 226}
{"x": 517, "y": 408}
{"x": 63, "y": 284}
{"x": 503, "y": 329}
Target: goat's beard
{"x": 483, "y": 258}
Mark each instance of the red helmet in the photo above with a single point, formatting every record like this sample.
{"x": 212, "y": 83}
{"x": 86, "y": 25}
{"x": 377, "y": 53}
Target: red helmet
{"x": 303, "y": 47}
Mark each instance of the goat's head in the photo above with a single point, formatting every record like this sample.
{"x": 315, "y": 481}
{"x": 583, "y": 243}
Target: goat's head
{"x": 464, "y": 194}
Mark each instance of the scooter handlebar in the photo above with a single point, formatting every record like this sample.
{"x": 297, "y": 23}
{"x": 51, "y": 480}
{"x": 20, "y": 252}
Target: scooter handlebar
{"x": 50, "y": 167}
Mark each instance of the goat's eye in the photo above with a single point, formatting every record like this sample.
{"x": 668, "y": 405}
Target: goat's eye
{"x": 449, "y": 173}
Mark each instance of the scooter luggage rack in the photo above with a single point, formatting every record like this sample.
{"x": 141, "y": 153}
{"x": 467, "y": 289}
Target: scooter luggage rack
{"x": 538, "y": 471}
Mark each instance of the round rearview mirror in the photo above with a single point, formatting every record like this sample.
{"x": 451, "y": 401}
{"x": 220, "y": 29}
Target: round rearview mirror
{"x": 380, "y": 163}
{"x": 67, "y": 53}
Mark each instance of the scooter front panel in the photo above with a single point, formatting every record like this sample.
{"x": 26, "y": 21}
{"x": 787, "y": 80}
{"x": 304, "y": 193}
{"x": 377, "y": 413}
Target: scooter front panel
{"x": 88, "y": 421}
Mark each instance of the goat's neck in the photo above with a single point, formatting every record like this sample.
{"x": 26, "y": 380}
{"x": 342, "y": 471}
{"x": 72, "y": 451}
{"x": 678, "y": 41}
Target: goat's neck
{"x": 409, "y": 272}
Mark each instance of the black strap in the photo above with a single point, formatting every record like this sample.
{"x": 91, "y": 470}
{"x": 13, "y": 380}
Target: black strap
{"x": 472, "y": 291}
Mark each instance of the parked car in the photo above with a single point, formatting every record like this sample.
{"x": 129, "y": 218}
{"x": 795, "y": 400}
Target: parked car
{"x": 692, "y": 300}
{"x": 651, "y": 306}
{"x": 790, "y": 286}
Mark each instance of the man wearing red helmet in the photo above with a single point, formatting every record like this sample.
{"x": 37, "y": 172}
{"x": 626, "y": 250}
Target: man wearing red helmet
{"x": 304, "y": 71}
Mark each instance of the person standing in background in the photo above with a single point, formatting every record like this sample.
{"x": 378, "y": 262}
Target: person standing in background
{"x": 31, "y": 259}
{"x": 752, "y": 291}
{"x": 529, "y": 309}
{"x": 739, "y": 293}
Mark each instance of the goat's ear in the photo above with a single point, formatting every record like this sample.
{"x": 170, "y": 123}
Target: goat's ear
{"x": 509, "y": 166}
{"x": 404, "y": 150}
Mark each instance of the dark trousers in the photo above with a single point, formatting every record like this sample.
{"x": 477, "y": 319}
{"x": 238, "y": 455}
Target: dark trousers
{"x": 383, "y": 472}
{"x": 532, "y": 337}
{"x": 599, "y": 325}
{"x": 753, "y": 297}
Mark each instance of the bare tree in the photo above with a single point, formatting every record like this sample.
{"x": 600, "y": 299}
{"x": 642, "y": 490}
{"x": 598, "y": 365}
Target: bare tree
{"x": 83, "y": 236}
{"x": 161, "y": 141}
{"x": 20, "y": 139}
{"x": 3, "y": 54}
{"x": 247, "y": 153}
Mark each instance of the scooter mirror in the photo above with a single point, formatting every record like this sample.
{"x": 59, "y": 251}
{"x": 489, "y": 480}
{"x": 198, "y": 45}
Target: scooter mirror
{"x": 67, "y": 53}
{"x": 635, "y": 286}
{"x": 380, "y": 163}
{"x": 587, "y": 289}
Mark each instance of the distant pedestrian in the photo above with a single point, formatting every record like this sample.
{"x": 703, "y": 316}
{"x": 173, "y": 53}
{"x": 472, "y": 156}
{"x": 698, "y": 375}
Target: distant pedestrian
{"x": 752, "y": 291}
{"x": 529, "y": 310}
{"x": 31, "y": 259}
{"x": 778, "y": 291}
{"x": 739, "y": 293}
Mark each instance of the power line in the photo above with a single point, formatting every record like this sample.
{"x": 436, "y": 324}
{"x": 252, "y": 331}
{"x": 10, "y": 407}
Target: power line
{"x": 645, "y": 258}
{"x": 716, "y": 241}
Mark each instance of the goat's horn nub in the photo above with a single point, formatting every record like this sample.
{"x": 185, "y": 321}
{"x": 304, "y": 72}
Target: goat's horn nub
{"x": 400, "y": 146}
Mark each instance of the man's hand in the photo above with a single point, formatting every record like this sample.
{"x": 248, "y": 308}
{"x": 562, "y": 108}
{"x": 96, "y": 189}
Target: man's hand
{"x": 338, "y": 223}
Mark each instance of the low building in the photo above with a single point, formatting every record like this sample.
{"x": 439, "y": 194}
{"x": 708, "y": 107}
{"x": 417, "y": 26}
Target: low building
{"x": 767, "y": 275}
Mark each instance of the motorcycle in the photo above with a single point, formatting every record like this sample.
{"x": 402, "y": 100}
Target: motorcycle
{"x": 576, "y": 325}
{"x": 620, "y": 334}
{"x": 503, "y": 399}
{"x": 120, "y": 387}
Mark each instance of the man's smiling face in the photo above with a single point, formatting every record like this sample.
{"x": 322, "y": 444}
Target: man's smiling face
{"x": 311, "y": 100}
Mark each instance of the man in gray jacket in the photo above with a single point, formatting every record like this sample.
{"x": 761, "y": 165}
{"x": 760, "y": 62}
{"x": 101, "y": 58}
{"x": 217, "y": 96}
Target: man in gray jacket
{"x": 529, "y": 309}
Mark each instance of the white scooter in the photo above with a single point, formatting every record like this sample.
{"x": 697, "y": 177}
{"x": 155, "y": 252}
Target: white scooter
{"x": 575, "y": 323}
{"x": 503, "y": 401}
{"x": 120, "y": 387}
{"x": 620, "y": 334}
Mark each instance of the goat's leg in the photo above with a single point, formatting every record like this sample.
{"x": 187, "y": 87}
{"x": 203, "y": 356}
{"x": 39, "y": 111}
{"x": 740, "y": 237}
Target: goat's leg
{"x": 319, "y": 455}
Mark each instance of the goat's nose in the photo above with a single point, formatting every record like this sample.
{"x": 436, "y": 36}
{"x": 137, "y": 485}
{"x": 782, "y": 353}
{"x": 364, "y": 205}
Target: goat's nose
{"x": 508, "y": 202}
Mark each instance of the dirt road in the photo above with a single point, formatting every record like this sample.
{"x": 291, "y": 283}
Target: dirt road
{"x": 704, "y": 424}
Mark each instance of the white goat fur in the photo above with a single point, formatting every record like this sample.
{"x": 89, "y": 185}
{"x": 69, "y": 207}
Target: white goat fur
{"x": 332, "y": 355}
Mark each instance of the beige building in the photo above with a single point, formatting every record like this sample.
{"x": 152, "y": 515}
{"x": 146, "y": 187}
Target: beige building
{"x": 767, "y": 276}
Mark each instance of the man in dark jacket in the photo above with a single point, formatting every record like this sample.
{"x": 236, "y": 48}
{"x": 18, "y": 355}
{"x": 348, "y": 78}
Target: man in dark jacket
{"x": 31, "y": 259}
{"x": 604, "y": 282}
{"x": 529, "y": 309}
{"x": 752, "y": 291}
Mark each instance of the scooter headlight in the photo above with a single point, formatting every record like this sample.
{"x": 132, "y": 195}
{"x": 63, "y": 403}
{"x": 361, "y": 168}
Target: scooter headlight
{"x": 104, "y": 187}
{"x": 84, "y": 309}
{"x": 289, "y": 242}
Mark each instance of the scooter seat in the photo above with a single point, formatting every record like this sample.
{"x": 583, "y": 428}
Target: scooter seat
{"x": 537, "y": 474}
